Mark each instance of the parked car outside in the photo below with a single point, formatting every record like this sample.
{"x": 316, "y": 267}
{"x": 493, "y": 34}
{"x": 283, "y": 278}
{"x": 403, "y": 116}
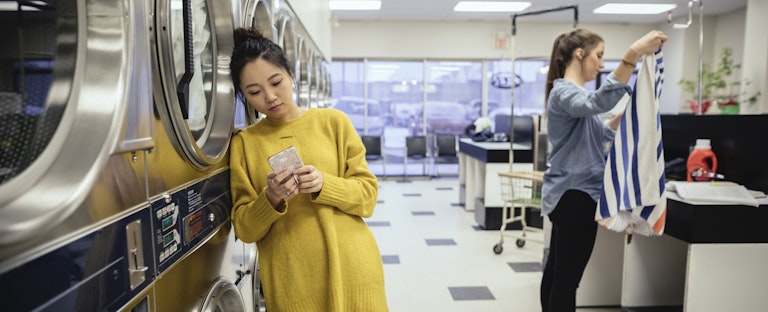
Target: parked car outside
{"x": 354, "y": 108}
{"x": 445, "y": 118}
{"x": 475, "y": 108}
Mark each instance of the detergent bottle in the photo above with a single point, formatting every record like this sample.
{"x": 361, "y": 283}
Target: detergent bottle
{"x": 701, "y": 160}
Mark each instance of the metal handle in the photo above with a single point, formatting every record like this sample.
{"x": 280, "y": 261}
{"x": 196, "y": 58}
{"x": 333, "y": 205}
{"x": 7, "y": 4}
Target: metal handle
{"x": 575, "y": 8}
{"x": 182, "y": 89}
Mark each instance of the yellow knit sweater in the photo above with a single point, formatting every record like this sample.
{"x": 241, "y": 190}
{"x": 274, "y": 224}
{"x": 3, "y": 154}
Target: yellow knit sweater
{"x": 318, "y": 255}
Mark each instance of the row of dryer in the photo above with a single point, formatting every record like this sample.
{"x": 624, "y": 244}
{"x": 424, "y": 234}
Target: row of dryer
{"x": 115, "y": 121}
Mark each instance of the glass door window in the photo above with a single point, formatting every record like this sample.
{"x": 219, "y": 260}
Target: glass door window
{"x": 29, "y": 112}
{"x": 454, "y": 96}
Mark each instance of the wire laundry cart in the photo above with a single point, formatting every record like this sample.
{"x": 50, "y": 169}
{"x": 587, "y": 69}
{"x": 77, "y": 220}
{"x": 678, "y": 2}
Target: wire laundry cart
{"x": 519, "y": 189}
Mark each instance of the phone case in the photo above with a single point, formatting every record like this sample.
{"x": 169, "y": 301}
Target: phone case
{"x": 287, "y": 159}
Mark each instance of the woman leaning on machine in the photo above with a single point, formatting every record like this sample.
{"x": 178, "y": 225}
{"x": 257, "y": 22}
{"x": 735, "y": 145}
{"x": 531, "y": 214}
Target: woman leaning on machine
{"x": 315, "y": 251}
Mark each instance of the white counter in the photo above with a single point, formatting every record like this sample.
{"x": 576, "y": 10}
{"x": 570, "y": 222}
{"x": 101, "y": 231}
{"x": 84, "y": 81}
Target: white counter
{"x": 479, "y": 183}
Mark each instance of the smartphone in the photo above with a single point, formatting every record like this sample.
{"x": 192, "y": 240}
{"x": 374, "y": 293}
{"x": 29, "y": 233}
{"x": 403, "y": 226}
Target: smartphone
{"x": 287, "y": 159}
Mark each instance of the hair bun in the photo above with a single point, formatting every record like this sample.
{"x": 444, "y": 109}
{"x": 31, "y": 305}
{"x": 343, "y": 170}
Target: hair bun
{"x": 244, "y": 34}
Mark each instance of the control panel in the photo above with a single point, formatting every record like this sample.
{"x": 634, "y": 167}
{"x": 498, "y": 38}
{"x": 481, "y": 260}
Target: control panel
{"x": 185, "y": 217}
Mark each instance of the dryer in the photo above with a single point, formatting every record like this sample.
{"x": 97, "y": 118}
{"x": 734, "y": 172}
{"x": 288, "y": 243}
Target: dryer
{"x": 302, "y": 52}
{"x": 188, "y": 172}
{"x": 288, "y": 40}
{"x": 74, "y": 215}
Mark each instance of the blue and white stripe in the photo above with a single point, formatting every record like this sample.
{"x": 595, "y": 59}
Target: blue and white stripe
{"x": 633, "y": 197}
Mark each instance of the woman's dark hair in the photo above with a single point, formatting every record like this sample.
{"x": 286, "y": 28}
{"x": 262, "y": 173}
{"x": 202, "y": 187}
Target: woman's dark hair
{"x": 562, "y": 52}
{"x": 251, "y": 45}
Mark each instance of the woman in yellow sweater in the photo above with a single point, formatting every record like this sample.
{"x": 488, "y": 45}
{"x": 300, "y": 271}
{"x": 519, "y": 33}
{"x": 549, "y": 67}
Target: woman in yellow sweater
{"x": 315, "y": 251}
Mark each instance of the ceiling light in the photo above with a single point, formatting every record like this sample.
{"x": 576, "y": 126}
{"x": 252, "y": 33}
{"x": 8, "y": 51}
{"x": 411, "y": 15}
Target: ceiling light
{"x": 634, "y": 8}
{"x": 354, "y": 5}
{"x": 13, "y": 6}
{"x": 490, "y": 6}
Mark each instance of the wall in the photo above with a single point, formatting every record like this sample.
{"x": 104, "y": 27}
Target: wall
{"x": 465, "y": 40}
{"x": 475, "y": 41}
{"x": 755, "y": 65}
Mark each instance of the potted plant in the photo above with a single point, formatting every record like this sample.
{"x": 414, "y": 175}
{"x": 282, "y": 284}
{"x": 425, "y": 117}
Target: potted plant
{"x": 720, "y": 87}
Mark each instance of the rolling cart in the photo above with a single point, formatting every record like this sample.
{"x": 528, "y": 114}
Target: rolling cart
{"x": 519, "y": 189}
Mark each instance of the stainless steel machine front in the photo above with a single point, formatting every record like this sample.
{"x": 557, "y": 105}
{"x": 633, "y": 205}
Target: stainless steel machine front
{"x": 115, "y": 121}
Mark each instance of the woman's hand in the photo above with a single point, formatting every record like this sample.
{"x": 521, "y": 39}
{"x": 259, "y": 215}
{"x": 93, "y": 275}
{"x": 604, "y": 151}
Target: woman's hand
{"x": 309, "y": 178}
{"x": 650, "y": 43}
{"x": 284, "y": 185}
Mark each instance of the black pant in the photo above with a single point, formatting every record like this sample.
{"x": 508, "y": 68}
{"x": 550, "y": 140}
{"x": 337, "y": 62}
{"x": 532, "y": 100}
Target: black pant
{"x": 573, "y": 236}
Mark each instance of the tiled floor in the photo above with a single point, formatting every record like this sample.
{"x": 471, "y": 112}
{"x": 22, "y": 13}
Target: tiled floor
{"x": 435, "y": 258}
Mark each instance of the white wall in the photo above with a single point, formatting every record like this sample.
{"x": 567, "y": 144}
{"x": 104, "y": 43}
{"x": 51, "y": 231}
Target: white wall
{"x": 315, "y": 15}
{"x": 465, "y": 40}
{"x": 475, "y": 41}
{"x": 755, "y": 65}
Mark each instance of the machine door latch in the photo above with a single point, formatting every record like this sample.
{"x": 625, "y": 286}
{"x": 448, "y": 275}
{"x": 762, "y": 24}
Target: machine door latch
{"x": 136, "y": 267}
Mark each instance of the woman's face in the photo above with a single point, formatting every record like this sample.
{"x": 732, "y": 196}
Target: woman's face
{"x": 268, "y": 89}
{"x": 592, "y": 63}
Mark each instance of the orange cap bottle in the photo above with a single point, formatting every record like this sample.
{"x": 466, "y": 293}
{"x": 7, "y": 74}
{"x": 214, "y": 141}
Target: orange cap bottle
{"x": 702, "y": 157}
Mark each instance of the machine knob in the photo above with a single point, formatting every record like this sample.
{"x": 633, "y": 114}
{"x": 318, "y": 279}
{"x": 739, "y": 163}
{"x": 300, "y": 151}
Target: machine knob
{"x": 211, "y": 217}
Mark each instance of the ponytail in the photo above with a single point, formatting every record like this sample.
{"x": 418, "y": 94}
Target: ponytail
{"x": 556, "y": 67}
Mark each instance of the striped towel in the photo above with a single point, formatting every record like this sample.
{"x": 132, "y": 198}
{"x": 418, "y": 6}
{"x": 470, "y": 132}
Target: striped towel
{"x": 633, "y": 197}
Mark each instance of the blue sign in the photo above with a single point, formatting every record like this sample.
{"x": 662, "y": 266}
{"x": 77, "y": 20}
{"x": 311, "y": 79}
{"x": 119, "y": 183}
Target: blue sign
{"x": 504, "y": 80}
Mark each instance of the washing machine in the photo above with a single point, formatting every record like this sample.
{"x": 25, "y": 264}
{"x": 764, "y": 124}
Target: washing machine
{"x": 316, "y": 83}
{"x": 257, "y": 14}
{"x": 304, "y": 73}
{"x": 75, "y": 107}
{"x": 301, "y": 51}
{"x": 287, "y": 39}
{"x": 200, "y": 264}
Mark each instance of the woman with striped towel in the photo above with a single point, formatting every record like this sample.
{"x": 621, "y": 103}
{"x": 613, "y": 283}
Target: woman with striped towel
{"x": 574, "y": 180}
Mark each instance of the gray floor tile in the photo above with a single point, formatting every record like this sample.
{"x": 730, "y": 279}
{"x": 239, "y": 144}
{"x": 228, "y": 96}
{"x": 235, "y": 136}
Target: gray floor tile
{"x": 440, "y": 242}
{"x": 379, "y": 223}
{"x": 471, "y": 293}
{"x": 522, "y": 267}
{"x": 390, "y": 259}
{"x": 423, "y": 213}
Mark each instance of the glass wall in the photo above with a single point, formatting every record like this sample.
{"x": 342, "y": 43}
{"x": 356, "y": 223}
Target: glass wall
{"x": 453, "y": 89}
{"x": 395, "y": 99}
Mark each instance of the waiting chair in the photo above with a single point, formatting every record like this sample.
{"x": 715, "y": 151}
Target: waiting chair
{"x": 373, "y": 151}
{"x": 416, "y": 148}
{"x": 446, "y": 151}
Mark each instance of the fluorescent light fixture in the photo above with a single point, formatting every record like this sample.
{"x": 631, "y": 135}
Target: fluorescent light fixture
{"x": 634, "y": 8}
{"x": 13, "y": 6}
{"x": 351, "y": 5}
{"x": 490, "y": 6}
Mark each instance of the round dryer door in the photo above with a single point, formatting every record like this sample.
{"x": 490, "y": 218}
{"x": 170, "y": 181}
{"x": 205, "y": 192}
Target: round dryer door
{"x": 222, "y": 296}
{"x": 256, "y": 14}
{"x": 305, "y": 72}
{"x": 196, "y": 97}
{"x": 72, "y": 73}
{"x": 288, "y": 40}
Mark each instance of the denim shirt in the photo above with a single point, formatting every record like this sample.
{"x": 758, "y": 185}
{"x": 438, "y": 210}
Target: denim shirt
{"x": 577, "y": 134}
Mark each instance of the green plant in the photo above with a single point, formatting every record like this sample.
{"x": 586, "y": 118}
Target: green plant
{"x": 720, "y": 84}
